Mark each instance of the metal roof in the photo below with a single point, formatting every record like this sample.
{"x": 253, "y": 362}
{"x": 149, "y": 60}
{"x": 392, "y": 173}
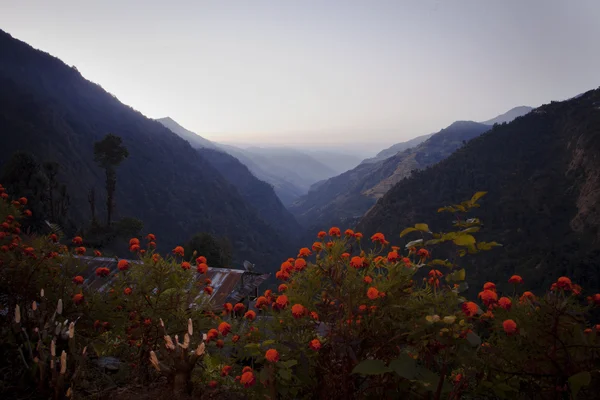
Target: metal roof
{"x": 229, "y": 285}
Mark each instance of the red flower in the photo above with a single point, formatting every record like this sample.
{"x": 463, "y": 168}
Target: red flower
{"x": 247, "y": 379}
{"x": 53, "y": 237}
{"x": 282, "y": 301}
{"x": 251, "y": 315}
{"x": 314, "y": 315}
{"x": 200, "y": 260}
{"x": 134, "y": 248}
{"x": 133, "y": 241}
{"x": 220, "y": 343}
{"x": 239, "y": 307}
{"x": 510, "y": 326}
{"x": 505, "y": 303}
{"x": 261, "y": 302}
{"x": 564, "y": 283}
{"x": 378, "y": 237}
{"x": 202, "y": 268}
{"x": 367, "y": 279}
{"x": 212, "y": 334}
{"x": 80, "y": 250}
{"x": 226, "y": 370}
{"x": 77, "y": 241}
{"x": 224, "y": 328}
{"x": 272, "y": 355}
{"x": 186, "y": 265}
{"x": 212, "y": 384}
{"x": 300, "y": 264}
{"x": 304, "y": 252}
{"x": 123, "y": 265}
{"x": 298, "y": 310}
{"x": 208, "y": 290}
{"x": 282, "y": 288}
{"x": 488, "y": 297}
{"x": 235, "y": 338}
{"x": 315, "y": 344}
{"x": 97, "y": 253}
{"x": 152, "y": 245}
{"x": 526, "y": 296}
{"x": 150, "y": 237}
{"x": 469, "y": 308}
{"x": 27, "y": 213}
{"x": 349, "y": 233}
{"x": 358, "y": 236}
{"x": 317, "y": 246}
{"x": 489, "y": 286}
{"x": 23, "y": 200}
{"x": 393, "y": 256}
{"x": 78, "y": 280}
{"x": 357, "y": 262}
{"x": 335, "y": 232}
{"x": 423, "y": 253}
{"x": 322, "y": 234}
{"x": 127, "y": 291}
{"x": 102, "y": 271}
{"x": 178, "y": 251}
{"x": 372, "y": 293}
{"x": 78, "y": 298}
{"x": 515, "y": 279}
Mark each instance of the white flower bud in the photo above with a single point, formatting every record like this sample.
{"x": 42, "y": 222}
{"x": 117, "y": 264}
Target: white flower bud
{"x": 17, "y": 314}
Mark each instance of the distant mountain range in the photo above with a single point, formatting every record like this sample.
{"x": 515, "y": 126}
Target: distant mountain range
{"x": 343, "y": 199}
{"x": 541, "y": 172}
{"x": 290, "y": 172}
{"x": 48, "y": 109}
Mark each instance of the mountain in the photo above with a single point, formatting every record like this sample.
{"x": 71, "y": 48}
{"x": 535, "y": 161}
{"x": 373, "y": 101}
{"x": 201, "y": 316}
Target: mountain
{"x": 509, "y": 115}
{"x": 541, "y": 172}
{"x": 194, "y": 139}
{"x": 336, "y": 162}
{"x": 343, "y": 199}
{"x": 396, "y": 148}
{"x": 260, "y": 195}
{"x": 47, "y": 108}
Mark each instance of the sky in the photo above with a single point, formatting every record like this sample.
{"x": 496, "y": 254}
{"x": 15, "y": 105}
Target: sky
{"x": 320, "y": 73}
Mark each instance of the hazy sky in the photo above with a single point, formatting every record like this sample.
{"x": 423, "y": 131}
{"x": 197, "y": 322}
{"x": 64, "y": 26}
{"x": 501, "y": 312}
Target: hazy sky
{"x": 320, "y": 71}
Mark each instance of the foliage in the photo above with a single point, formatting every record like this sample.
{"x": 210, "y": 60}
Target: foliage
{"x": 345, "y": 323}
{"x": 109, "y": 153}
{"x": 218, "y": 251}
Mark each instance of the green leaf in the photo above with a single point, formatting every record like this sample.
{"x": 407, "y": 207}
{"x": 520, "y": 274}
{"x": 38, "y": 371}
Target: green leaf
{"x": 477, "y": 196}
{"x": 289, "y": 363}
{"x": 407, "y": 231}
{"x": 371, "y": 367}
{"x": 252, "y": 346}
{"x": 463, "y": 286}
{"x": 471, "y": 229}
{"x": 285, "y": 374}
{"x": 473, "y": 339}
{"x": 577, "y": 381}
{"x": 464, "y": 240}
{"x": 268, "y": 342}
{"x": 457, "y": 276}
{"x": 404, "y": 366}
{"x": 422, "y": 227}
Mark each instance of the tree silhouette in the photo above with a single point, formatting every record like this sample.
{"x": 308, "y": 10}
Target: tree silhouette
{"x": 109, "y": 153}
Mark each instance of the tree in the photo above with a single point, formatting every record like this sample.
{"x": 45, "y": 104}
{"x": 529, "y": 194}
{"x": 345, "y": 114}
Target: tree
{"x": 218, "y": 251}
{"x": 109, "y": 153}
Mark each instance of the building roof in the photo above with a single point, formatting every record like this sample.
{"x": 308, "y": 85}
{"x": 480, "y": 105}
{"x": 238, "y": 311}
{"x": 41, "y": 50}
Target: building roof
{"x": 229, "y": 285}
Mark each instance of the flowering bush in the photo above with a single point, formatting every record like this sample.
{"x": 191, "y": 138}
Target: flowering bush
{"x": 349, "y": 319}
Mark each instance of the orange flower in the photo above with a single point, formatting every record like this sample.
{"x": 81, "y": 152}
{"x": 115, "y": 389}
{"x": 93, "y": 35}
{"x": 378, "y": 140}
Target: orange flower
{"x": 178, "y": 251}
{"x": 488, "y": 297}
{"x": 367, "y": 279}
{"x": 315, "y": 345}
{"x": 186, "y": 265}
{"x": 97, "y": 253}
{"x": 335, "y": 232}
{"x": 133, "y": 241}
{"x": 314, "y": 315}
{"x": 77, "y": 241}
{"x": 393, "y": 256}
{"x": 235, "y": 338}
{"x": 595, "y": 299}
{"x": 127, "y": 291}
{"x": 78, "y": 280}
{"x": 282, "y": 288}
{"x": 345, "y": 255}
{"x": 304, "y": 252}
{"x": 134, "y": 248}
{"x": 208, "y": 290}
{"x": 489, "y": 286}
{"x": 378, "y": 237}
{"x": 200, "y": 260}
{"x": 213, "y": 384}
{"x": 156, "y": 257}
{"x": 261, "y": 302}
{"x": 362, "y": 308}
{"x": 212, "y": 334}
{"x": 123, "y": 265}
{"x": 321, "y": 234}
{"x": 23, "y": 200}
{"x": 317, "y": 246}
{"x": 220, "y": 343}
{"x": 282, "y": 301}
{"x": 510, "y": 326}
{"x": 515, "y": 279}
{"x": 505, "y": 303}
{"x": 272, "y": 355}
{"x": 357, "y": 262}
{"x": 224, "y": 328}
{"x": 53, "y": 237}
{"x": 239, "y": 307}
{"x": 349, "y": 233}
{"x": 207, "y": 281}
{"x": 526, "y": 295}
{"x": 80, "y": 250}
{"x": 564, "y": 283}
{"x": 358, "y": 236}
{"x": 469, "y": 308}
{"x": 27, "y": 213}
{"x": 226, "y": 370}
{"x": 372, "y": 293}
{"x": 247, "y": 379}
{"x": 286, "y": 266}
{"x": 246, "y": 369}
{"x": 300, "y": 264}
{"x": 423, "y": 253}
{"x": 78, "y": 298}
{"x": 202, "y": 268}
{"x": 227, "y": 307}
{"x": 102, "y": 271}
{"x": 298, "y": 310}
{"x": 150, "y": 237}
